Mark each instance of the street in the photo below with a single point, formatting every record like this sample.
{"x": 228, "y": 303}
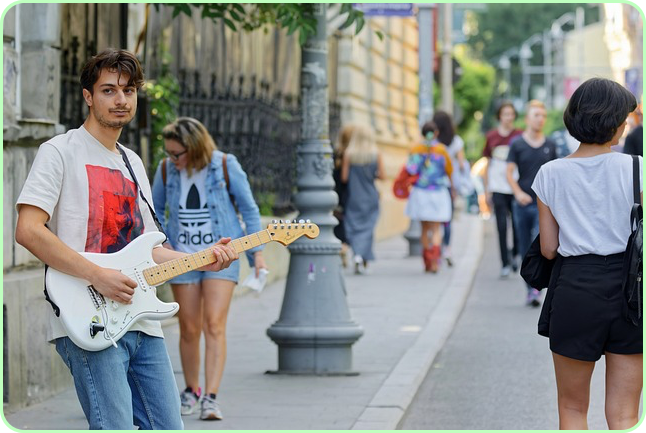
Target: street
{"x": 495, "y": 372}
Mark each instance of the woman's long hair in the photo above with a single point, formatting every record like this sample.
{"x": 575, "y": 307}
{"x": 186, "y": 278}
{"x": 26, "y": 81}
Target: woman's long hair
{"x": 362, "y": 148}
{"x": 446, "y": 130}
{"x": 342, "y": 143}
{"x": 194, "y": 136}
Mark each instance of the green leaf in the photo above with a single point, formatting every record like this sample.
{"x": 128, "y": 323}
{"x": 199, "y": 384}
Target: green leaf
{"x": 229, "y": 24}
{"x": 239, "y": 8}
{"x": 360, "y": 24}
{"x": 379, "y": 34}
{"x": 235, "y": 16}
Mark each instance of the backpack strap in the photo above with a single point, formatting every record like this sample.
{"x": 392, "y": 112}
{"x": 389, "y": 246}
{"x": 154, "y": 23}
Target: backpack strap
{"x": 226, "y": 179}
{"x": 635, "y": 179}
{"x": 226, "y": 172}
{"x": 164, "y": 162}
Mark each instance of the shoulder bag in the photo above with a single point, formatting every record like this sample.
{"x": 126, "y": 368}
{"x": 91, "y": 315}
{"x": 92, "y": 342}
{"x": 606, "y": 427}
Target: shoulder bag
{"x": 632, "y": 284}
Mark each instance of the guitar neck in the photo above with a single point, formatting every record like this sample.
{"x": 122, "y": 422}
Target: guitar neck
{"x": 156, "y": 275}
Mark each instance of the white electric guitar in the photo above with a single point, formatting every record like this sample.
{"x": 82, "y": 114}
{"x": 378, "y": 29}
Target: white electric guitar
{"x": 94, "y": 322}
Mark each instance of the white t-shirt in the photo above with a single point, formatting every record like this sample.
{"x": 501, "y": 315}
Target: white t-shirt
{"x": 195, "y": 229}
{"x": 591, "y": 200}
{"x": 497, "y": 171}
{"x": 75, "y": 179}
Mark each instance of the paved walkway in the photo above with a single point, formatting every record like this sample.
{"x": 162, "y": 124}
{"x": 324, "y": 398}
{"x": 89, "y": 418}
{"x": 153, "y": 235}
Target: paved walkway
{"x": 406, "y": 315}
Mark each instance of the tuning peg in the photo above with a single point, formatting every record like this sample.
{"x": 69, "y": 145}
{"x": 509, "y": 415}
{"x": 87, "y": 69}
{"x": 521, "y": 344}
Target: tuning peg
{"x": 274, "y": 221}
{"x": 287, "y": 221}
{"x": 308, "y": 221}
{"x": 301, "y": 221}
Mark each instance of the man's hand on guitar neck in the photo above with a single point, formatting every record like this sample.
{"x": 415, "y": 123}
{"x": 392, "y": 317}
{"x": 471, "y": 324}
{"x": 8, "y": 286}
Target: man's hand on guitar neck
{"x": 225, "y": 254}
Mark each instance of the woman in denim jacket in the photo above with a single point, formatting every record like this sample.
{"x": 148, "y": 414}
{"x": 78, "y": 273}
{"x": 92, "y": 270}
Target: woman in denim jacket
{"x": 199, "y": 211}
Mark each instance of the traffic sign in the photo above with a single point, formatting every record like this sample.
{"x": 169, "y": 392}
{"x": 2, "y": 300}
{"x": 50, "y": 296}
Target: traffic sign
{"x": 386, "y": 9}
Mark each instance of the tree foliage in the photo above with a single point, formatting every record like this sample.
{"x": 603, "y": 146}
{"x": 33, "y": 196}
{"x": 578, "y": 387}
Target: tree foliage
{"x": 474, "y": 89}
{"x": 252, "y": 16}
{"x": 504, "y": 25}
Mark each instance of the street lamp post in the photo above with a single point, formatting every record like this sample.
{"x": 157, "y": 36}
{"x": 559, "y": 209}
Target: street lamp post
{"x": 505, "y": 65}
{"x": 556, "y": 31}
{"x": 315, "y": 332}
{"x": 525, "y": 54}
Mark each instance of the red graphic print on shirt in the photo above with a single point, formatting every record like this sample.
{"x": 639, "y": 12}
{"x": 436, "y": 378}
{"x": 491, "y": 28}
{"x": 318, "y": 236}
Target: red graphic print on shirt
{"x": 114, "y": 218}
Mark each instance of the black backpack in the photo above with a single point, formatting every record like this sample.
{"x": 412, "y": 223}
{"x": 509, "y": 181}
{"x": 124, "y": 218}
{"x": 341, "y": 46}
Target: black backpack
{"x": 633, "y": 285}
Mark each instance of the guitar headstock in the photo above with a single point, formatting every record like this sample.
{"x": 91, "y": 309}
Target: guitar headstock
{"x": 288, "y": 231}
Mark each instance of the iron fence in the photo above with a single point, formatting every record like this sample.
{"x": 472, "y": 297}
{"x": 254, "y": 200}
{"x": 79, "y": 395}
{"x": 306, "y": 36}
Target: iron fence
{"x": 245, "y": 118}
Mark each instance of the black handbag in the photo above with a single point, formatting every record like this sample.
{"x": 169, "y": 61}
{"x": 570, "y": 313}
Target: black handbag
{"x": 632, "y": 284}
{"x": 536, "y": 270}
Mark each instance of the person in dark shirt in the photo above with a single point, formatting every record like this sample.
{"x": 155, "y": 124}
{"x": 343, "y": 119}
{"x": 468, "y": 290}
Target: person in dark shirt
{"x": 634, "y": 144}
{"x": 527, "y": 153}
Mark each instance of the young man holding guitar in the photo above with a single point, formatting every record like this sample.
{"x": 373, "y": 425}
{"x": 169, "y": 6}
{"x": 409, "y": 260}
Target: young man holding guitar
{"x": 80, "y": 197}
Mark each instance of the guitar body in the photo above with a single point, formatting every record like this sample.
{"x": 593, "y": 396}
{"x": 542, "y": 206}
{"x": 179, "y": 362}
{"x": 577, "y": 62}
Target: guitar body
{"x": 94, "y": 322}
{"x": 84, "y": 311}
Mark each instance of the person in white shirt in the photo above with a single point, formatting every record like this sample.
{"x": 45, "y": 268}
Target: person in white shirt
{"x": 80, "y": 197}
{"x": 584, "y": 205}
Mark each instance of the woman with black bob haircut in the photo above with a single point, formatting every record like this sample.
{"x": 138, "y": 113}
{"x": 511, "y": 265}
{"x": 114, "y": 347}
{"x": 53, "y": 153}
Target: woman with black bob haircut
{"x": 597, "y": 109}
{"x": 584, "y": 205}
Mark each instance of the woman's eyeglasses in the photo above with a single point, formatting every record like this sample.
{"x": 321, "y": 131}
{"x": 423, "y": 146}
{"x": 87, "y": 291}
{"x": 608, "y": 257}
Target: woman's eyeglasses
{"x": 175, "y": 156}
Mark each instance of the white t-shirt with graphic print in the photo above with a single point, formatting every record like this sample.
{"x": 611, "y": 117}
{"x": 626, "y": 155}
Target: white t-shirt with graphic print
{"x": 195, "y": 230}
{"x": 91, "y": 200}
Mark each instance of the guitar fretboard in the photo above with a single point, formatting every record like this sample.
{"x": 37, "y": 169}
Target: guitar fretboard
{"x": 158, "y": 274}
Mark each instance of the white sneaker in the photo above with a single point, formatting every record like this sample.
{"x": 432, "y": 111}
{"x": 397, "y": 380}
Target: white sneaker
{"x": 358, "y": 265}
{"x": 505, "y": 271}
{"x": 210, "y": 409}
{"x": 189, "y": 401}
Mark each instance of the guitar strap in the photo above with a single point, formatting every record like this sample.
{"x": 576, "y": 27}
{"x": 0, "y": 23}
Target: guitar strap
{"x": 134, "y": 178}
{"x": 57, "y": 310}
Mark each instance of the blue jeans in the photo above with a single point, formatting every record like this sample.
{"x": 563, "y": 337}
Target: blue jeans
{"x": 130, "y": 385}
{"x": 525, "y": 224}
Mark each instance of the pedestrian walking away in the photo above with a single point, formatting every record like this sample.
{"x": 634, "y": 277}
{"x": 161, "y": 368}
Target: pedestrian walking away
{"x": 81, "y": 197}
{"x": 362, "y": 164}
{"x": 497, "y": 188}
{"x": 461, "y": 176}
{"x": 584, "y": 203}
{"x": 634, "y": 143}
{"x": 527, "y": 153}
{"x": 341, "y": 189}
{"x": 430, "y": 197}
{"x": 203, "y": 189}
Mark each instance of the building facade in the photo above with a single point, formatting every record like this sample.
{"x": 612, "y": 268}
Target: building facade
{"x": 374, "y": 81}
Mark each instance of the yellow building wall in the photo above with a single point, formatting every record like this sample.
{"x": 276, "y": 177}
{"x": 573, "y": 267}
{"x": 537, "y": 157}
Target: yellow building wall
{"x": 377, "y": 85}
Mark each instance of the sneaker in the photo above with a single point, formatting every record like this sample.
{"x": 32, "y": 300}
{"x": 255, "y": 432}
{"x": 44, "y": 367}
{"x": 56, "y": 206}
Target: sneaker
{"x": 505, "y": 271}
{"x": 210, "y": 409}
{"x": 446, "y": 254}
{"x": 515, "y": 263}
{"x": 533, "y": 298}
{"x": 359, "y": 267}
{"x": 189, "y": 400}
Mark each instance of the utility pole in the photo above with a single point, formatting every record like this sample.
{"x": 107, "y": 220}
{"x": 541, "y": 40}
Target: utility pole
{"x": 426, "y": 51}
{"x": 315, "y": 332}
{"x": 446, "y": 77}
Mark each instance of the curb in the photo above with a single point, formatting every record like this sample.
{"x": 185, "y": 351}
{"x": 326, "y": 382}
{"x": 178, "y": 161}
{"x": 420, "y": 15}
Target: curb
{"x": 388, "y": 406}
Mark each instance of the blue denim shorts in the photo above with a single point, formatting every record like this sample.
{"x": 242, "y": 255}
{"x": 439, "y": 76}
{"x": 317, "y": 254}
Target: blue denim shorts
{"x": 232, "y": 273}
